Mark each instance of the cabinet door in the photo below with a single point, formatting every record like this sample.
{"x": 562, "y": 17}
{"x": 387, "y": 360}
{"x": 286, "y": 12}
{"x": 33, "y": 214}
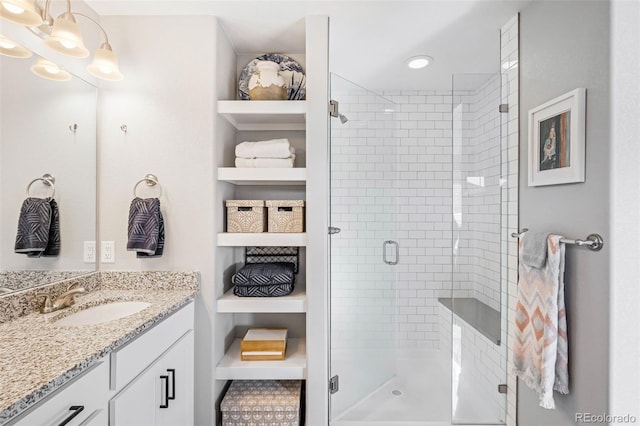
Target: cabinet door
{"x": 82, "y": 401}
{"x": 177, "y": 364}
{"x": 135, "y": 405}
{"x": 162, "y": 394}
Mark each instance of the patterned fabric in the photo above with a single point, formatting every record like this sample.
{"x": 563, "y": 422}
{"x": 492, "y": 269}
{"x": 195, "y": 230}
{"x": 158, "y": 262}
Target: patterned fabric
{"x": 264, "y": 274}
{"x": 540, "y": 352}
{"x": 262, "y": 403}
{"x": 146, "y": 228}
{"x": 272, "y": 255}
{"x": 38, "y": 228}
{"x": 264, "y": 280}
{"x": 270, "y": 290}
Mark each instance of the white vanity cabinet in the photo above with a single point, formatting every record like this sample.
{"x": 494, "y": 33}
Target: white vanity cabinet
{"x": 153, "y": 376}
{"x": 80, "y": 402}
{"x": 148, "y": 381}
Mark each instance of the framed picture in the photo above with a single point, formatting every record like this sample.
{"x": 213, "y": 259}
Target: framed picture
{"x": 557, "y": 140}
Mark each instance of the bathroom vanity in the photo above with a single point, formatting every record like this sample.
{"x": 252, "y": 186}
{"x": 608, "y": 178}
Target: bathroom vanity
{"x": 132, "y": 370}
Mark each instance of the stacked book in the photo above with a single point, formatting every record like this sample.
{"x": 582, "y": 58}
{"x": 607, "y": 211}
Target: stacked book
{"x": 264, "y": 344}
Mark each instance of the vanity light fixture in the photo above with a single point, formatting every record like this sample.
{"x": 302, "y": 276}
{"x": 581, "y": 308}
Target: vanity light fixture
{"x": 50, "y": 71}
{"x": 66, "y": 37}
{"x": 418, "y": 62}
{"x": 13, "y": 49}
{"x": 23, "y": 12}
{"x": 63, "y": 34}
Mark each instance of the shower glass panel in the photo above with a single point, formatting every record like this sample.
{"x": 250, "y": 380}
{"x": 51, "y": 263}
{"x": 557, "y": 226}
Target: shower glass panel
{"x": 364, "y": 250}
{"x": 478, "y": 292}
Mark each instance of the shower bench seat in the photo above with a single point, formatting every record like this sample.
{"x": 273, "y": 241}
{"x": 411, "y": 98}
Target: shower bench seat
{"x": 478, "y": 315}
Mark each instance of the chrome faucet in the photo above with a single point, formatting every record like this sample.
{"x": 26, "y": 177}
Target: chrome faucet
{"x": 65, "y": 300}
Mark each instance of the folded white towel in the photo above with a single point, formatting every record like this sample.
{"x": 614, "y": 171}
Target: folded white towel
{"x": 274, "y": 148}
{"x": 284, "y": 163}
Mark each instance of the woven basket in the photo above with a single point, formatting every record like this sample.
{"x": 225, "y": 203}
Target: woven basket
{"x": 285, "y": 215}
{"x": 248, "y": 216}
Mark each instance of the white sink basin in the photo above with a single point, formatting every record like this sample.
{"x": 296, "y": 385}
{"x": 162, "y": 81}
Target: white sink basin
{"x": 103, "y": 313}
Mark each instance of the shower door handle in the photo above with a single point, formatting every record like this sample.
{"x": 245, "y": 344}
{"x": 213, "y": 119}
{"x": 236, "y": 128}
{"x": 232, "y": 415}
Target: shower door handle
{"x": 384, "y": 252}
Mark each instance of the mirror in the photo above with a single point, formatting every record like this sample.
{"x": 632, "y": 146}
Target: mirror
{"x": 46, "y": 127}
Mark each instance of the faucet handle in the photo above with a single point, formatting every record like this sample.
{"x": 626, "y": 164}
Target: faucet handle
{"x": 47, "y": 306}
{"x": 74, "y": 286}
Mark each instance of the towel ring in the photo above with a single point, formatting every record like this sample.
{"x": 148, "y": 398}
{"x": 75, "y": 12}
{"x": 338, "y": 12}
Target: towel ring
{"x": 150, "y": 180}
{"x": 47, "y": 180}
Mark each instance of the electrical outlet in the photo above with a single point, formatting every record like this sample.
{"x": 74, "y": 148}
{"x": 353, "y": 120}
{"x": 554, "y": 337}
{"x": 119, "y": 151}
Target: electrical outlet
{"x": 108, "y": 252}
{"x": 89, "y": 252}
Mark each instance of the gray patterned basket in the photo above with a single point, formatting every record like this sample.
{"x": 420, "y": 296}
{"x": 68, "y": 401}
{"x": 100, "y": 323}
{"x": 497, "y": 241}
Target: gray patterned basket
{"x": 247, "y": 216}
{"x": 285, "y": 215}
{"x": 262, "y": 402}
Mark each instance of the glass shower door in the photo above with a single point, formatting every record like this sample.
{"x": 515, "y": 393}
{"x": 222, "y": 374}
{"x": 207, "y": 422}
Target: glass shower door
{"x": 364, "y": 247}
{"x": 478, "y": 292}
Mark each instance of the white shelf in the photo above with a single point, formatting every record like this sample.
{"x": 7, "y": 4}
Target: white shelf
{"x": 254, "y": 176}
{"x": 293, "y": 367}
{"x": 264, "y": 115}
{"x": 295, "y": 302}
{"x": 264, "y": 239}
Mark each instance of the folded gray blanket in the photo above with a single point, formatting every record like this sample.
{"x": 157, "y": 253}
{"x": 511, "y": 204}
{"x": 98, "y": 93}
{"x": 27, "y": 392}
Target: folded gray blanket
{"x": 146, "y": 228}
{"x": 264, "y": 274}
{"x": 38, "y": 228}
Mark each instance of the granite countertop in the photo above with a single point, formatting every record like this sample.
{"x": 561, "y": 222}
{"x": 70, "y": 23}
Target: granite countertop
{"x": 37, "y": 356}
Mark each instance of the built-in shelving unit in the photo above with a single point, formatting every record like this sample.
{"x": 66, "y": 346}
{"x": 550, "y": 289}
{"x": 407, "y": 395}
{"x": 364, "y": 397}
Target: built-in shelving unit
{"x": 264, "y": 115}
{"x": 254, "y": 176}
{"x": 293, "y": 367}
{"x": 305, "y": 124}
{"x": 296, "y": 302}
{"x": 264, "y": 239}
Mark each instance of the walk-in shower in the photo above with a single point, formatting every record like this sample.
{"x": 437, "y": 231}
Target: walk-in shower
{"x": 418, "y": 329}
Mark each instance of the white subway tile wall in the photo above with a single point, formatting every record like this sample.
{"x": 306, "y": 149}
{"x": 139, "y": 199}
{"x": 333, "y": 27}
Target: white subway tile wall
{"x": 477, "y": 368}
{"x": 364, "y": 193}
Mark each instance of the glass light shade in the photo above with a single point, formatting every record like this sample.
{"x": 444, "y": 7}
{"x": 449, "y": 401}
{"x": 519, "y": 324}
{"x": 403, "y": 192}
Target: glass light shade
{"x": 49, "y": 70}
{"x": 66, "y": 37}
{"x": 13, "y": 49}
{"x": 105, "y": 64}
{"x": 23, "y": 12}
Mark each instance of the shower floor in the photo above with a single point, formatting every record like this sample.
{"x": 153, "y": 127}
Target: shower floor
{"x": 419, "y": 395}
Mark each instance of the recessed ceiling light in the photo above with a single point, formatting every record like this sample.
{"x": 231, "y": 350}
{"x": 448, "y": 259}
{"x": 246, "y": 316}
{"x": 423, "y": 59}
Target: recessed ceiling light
{"x": 418, "y": 62}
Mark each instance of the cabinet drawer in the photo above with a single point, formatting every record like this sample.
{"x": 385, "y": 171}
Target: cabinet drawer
{"x": 130, "y": 360}
{"x": 85, "y": 395}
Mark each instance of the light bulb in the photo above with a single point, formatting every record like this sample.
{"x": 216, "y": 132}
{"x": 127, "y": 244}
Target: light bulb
{"x": 7, "y": 44}
{"x": 16, "y": 10}
{"x": 105, "y": 69}
{"x": 68, "y": 44}
{"x": 51, "y": 68}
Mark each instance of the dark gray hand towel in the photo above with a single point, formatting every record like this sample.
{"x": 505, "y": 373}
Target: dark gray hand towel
{"x": 38, "y": 228}
{"x": 534, "y": 248}
{"x": 146, "y": 227}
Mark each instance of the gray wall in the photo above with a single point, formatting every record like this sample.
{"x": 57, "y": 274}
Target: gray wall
{"x": 565, "y": 45}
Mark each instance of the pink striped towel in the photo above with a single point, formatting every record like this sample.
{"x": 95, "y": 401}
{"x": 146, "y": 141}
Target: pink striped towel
{"x": 540, "y": 352}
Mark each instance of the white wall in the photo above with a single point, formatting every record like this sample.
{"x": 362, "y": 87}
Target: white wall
{"x": 167, "y": 102}
{"x": 624, "y": 346}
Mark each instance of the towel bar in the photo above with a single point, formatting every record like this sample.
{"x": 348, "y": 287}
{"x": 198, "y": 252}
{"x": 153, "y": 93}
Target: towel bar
{"x": 593, "y": 241}
{"x": 47, "y": 180}
{"x": 151, "y": 180}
